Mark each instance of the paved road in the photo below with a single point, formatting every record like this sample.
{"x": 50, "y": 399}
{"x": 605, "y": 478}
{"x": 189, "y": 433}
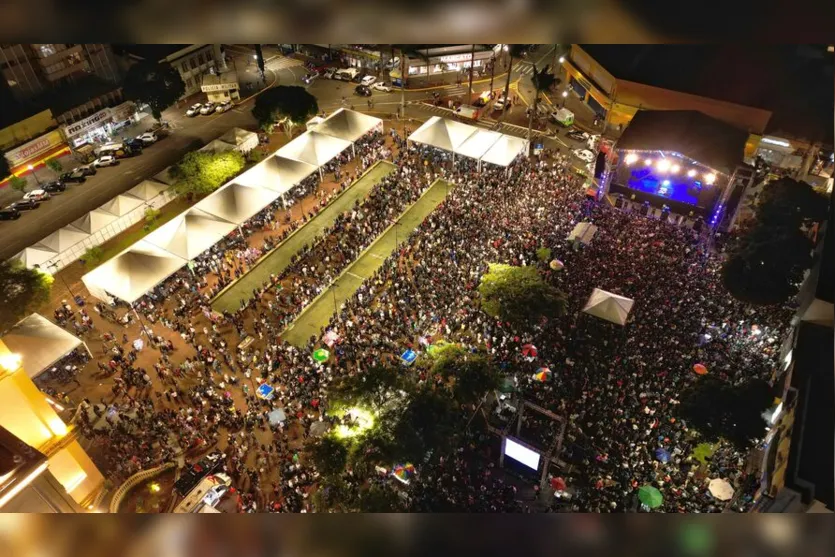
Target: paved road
{"x": 230, "y": 299}
{"x": 320, "y": 311}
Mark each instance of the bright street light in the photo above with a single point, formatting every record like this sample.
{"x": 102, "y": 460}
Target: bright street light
{"x": 255, "y": 57}
{"x": 562, "y": 59}
{"x": 565, "y": 93}
{"x": 505, "y": 48}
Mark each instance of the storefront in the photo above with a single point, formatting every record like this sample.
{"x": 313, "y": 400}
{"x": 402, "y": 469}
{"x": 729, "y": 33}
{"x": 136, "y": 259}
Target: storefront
{"x": 89, "y": 130}
{"x": 448, "y": 63}
{"x": 122, "y": 115}
{"x": 779, "y": 152}
{"x": 221, "y": 88}
{"x": 36, "y": 152}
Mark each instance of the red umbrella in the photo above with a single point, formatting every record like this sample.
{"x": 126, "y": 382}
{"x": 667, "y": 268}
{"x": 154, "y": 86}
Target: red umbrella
{"x": 529, "y": 351}
{"x": 558, "y": 484}
{"x": 700, "y": 369}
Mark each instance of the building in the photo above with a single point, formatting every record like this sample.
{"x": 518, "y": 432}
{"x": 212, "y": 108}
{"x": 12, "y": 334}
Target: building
{"x": 192, "y": 61}
{"x": 221, "y": 88}
{"x": 448, "y": 59}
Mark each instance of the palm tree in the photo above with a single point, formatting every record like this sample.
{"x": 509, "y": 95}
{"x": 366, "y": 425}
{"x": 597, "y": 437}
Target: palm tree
{"x": 542, "y": 81}
{"x": 514, "y": 51}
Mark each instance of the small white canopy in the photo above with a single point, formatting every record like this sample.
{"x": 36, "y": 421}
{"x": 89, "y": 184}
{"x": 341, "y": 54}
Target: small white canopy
{"x": 40, "y": 343}
{"x": 442, "y": 133}
{"x": 147, "y": 190}
{"x": 190, "y": 233}
{"x": 349, "y": 125}
{"x": 608, "y": 306}
{"x": 241, "y": 139}
{"x": 63, "y": 239}
{"x": 276, "y": 173}
{"x": 236, "y": 203}
{"x": 721, "y": 489}
{"x": 121, "y": 205}
{"x": 314, "y": 148}
{"x": 584, "y": 232}
{"x": 94, "y": 221}
{"x": 132, "y": 273}
{"x": 36, "y": 255}
{"x": 478, "y": 143}
{"x": 505, "y": 150}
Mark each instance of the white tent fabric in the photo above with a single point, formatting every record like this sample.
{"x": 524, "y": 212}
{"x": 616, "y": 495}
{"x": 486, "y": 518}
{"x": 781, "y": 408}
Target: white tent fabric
{"x": 276, "y": 173}
{"x": 121, "y": 205}
{"x": 608, "y": 306}
{"x": 584, "y": 232}
{"x": 477, "y": 145}
{"x": 505, "y": 150}
{"x": 63, "y": 239}
{"x": 94, "y": 221}
{"x": 314, "y": 148}
{"x": 147, "y": 190}
{"x": 217, "y": 146}
{"x": 36, "y": 255}
{"x": 241, "y": 139}
{"x": 236, "y": 203}
{"x": 132, "y": 273}
{"x": 349, "y": 125}
{"x": 442, "y": 133}
{"x": 190, "y": 233}
{"x": 39, "y": 342}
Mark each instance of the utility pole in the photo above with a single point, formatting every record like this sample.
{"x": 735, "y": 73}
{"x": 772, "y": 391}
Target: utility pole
{"x": 472, "y": 68}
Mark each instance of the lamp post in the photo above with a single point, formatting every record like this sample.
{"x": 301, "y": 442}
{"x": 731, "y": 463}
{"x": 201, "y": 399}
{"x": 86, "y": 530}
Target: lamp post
{"x": 34, "y": 173}
{"x": 563, "y": 96}
{"x": 54, "y": 267}
{"x": 142, "y": 323}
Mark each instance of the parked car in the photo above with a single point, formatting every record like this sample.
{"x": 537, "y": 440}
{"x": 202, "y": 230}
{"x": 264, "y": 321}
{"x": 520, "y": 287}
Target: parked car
{"x": 577, "y": 135}
{"x": 368, "y": 80}
{"x": 87, "y": 169}
{"x": 106, "y": 160}
{"x": 24, "y": 205}
{"x": 380, "y": 86}
{"x": 362, "y": 90}
{"x": 583, "y": 154}
{"x": 147, "y": 138}
{"x": 223, "y": 107}
{"x": 37, "y": 195}
{"x": 194, "y": 110}
{"x": 394, "y": 62}
{"x": 55, "y": 187}
{"x": 501, "y": 103}
{"x": 308, "y": 78}
{"x": 75, "y": 176}
{"x": 207, "y": 108}
{"x": 9, "y": 213}
{"x": 135, "y": 145}
{"x": 328, "y": 73}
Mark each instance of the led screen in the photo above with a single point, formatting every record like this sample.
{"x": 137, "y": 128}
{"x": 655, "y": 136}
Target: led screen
{"x": 521, "y": 454}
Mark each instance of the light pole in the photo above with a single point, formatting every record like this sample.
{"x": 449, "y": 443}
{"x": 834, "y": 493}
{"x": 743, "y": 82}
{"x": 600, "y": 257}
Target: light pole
{"x": 55, "y": 267}
{"x": 34, "y": 173}
{"x": 564, "y": 96}
{"x": 142, "y": 323}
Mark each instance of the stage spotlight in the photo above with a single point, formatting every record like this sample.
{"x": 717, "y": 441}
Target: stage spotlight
{"x": 691, "y": 173}
{"x": 630, "y": 158}
{"x": 648, "y": 162}
{"x": 710, "y": 178}
{"x": 675, "y": 168}
{"x": 665, "y": 183}
{"x": 663, "y": 165}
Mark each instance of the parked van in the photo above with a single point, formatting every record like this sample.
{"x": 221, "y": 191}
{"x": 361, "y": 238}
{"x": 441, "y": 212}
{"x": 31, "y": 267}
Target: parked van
{"x": 117, "y": 150}
{"x": 347, "y": 74}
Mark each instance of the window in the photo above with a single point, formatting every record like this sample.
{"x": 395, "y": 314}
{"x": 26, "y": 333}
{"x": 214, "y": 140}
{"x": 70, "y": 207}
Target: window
{"x": 47, "y": 50}
{"x": 193, "y": 63}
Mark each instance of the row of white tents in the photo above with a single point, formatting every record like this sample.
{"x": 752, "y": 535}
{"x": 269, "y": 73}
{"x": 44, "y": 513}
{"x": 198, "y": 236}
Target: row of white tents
{"x": 132, "y": 273}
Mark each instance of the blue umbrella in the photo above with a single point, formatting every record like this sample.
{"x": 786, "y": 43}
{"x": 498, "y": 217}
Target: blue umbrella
{"x": 663, "y": 455}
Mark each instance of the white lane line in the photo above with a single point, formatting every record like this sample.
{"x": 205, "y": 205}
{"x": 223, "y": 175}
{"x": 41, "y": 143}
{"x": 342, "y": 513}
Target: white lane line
{"x": 353, "y": 275}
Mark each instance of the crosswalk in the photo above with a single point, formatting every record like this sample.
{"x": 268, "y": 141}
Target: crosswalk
{"x": 278, "y": 63}
{"x": 525, "y": 68}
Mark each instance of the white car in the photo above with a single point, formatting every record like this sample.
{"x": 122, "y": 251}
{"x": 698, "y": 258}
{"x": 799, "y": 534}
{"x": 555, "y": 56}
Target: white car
{"x": 208, "y": 108}
{"x": 147, "y": 138}
{"x": 368, "y": 80}
{"x": 105, "y": 160}
{"x": 37, "y": 195}
{"x": 583, "y": 154}
{"x": 194, "y": 109}
{"x": 380, "y": 86}
{"x": 394, "y": 62}
{"x": 329, "y": 73}
{"x": 224, "y": 106}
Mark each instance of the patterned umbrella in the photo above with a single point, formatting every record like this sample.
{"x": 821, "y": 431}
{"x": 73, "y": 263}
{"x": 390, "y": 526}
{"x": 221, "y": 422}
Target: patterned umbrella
{"x": 542, "y": 374}
{"x": 556, "y": 265}
{"x": 321, "y": 355}
{"x": 529, "y": 351}
{"x": 650, "y": 496}
{"x": 403, "y": 472}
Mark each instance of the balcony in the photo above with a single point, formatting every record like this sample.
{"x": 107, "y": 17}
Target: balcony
{"x": 60, "y": 55}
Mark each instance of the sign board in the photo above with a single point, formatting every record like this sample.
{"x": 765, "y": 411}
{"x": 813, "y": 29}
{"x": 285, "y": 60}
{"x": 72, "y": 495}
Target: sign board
{"x": 215, "y": 87}
{"x": 124, "y": 111}
{"x": 34, "y": 148}
{"x": 101, "y": 117}
{"x": 453, "y": 58}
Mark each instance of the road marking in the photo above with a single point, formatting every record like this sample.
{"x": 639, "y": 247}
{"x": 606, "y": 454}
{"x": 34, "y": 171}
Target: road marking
{"x": 355, "y": 275}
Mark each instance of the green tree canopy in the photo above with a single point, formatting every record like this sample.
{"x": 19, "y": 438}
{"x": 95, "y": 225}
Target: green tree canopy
{"x": 5, "y": 168}
{"x": 372, "y": 388}
{"x": 17, "y": 183}
{"x": 22, "y": 291}
{"x": 329, "y": 455}
{"x": 471, "y": 375}
{"x": 158, "y": 85}
{"x": 202, "y": 172}
{"x": 428, "y": 422}
{"x": 379, "y": 498}
{"x": 787, "y": 202}
{"x": 519, "y": 294}
{"x": 287, "y": 105}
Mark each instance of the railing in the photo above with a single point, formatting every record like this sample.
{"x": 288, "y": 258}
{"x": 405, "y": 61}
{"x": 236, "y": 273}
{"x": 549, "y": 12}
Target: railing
{"x": 135, "y": 480}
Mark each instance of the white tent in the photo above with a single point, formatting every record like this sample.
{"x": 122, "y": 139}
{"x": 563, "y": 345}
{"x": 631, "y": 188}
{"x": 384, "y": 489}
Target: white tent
{"x": 36, "y": 255}
{"x": 190, "y": 233}
{"x": 147, "y": 190}
{"x": 241, "y": 139}
{"x": 584, "y": 232}
{"x": 94, "y": 221}
{"x": 121, "y": 205}
{"x": 505, "y": 150}
{"x": 442, "y": 133}
{"x": 349, "y": 125}
{"x": 276, "y": 173}
{"x": 236, "y": 203}
{"x": 39, "y": 342}
{"x": 132, "y": 273}
{"x": 608, "y": 306}
{"x": 63, "y": 239}
{"x": 314, "y": 148}
{"x": 478, "y": 143}
{"x": 217, "y": 146}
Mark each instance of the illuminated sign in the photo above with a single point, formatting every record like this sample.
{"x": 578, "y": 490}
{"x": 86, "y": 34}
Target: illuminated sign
{"x": 34, "y": 148}
{"x": 780, "y": 142}
{"x": 218, "y": 87}
{"x": 97, "y": 119}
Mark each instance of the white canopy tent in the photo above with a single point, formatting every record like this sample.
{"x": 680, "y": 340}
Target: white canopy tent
{"x": 349, "y": 125}
{"x": 276, "y": 173}
{"x": 147, "y": 190}
{"x": 36, "y": 255}
{"x": 121, "y": 205}
{"x": 242, "y": 140}
{"x": 314, "y": 148}
{"x": 608, "y": 306}
{"x": 132, "y": 273}
{"x": 477, "y": 145}
{"x": 94, "y": 221}
{"x": 190, "y": 233}
{"x": 63, "y": 239}
{"x": 584, "y": 232}
{"x": 442, "y": 133}
{"x": 236, "y": 203}
{"x": 505, "y": 150}
{"x": 40, "y": 343}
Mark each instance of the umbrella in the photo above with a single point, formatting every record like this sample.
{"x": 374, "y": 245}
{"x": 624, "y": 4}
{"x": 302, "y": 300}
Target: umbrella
{"x": 721, "y": 489}
{"x": 435, "y": 348}
{"x": 542, "y": 374}
{"x": 321, "y": 355}
{"x": 507, "y": 385}
{"x": 529, "y": 351}
{"x": 408, "y": 357}
{"x": 276, "y": 416}
{"x": 318, "y": 429}
{"x": 700, "y": 369}
{"x": 556, "y": 265}
{"x": 403, "y": 472}
{"x": 558, "y": 484}
{"x": 650, "y": 496}
{"x": 330, "y": 338}
{"x": 663, "y": 455}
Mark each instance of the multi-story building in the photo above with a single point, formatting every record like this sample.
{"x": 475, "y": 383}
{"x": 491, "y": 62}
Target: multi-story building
{"x": 192, "y": 61}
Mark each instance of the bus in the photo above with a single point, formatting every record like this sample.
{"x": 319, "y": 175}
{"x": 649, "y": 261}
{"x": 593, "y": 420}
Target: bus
{"x": 207, "y": 493}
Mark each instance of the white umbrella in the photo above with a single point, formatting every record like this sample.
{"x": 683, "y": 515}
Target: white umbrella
{"x": 721, "y": 489}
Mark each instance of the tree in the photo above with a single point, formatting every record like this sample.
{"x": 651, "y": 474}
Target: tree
{"x": 54, "y": 166}
{"x": 379, "y": 498}
{"x": 17, "y": 183}
{"x": 202, "y": 172}
{"x": 22, "y": 291}
{"x": 285, "y": 105}
{"x": 718, "y": 409}
{"x": 428, "y": 422}
{"x": 92, "y": 257}
{"x": 519, "y": 294}
{"x": 372, "y": 388}
{"x": 259, "y": 59}
{"x": 513, "y": 51}
{"x": 471, "y": 375}
{"x": 543, "y": 254}
{"x": 158, "y": 85}
{"x": 542, "y": 81}
{"x": 329, "y": 455}
{"x": 5, "y": 167}
{"x": 787, "y": 202}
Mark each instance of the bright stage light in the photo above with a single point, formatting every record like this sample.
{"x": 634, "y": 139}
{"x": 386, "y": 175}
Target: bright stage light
{"x": 675, "y": 168}
{"x": 648, "y": 162}
{"x": 362, "y": 421}
{"x": 691, "y": 173}
{"x": 710, "y": 178}
{"x": 665, "y": 183}
{"x": 630, "y": 158}
{"x": 663, "y": 165}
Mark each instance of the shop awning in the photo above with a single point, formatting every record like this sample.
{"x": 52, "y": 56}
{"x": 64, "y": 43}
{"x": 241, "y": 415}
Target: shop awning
{"x": 349, "y": 125}
{"x": 276, "y": 173}
{"x": 236, "y": 203}
{"x": 190, "y": 233}
{"x": 314, "y": 148}
{"x": 608, "y": 306}
{"x": 39, "y": 342}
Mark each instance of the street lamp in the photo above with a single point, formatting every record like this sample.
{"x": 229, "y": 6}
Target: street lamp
{"x": 35, "y": 174}
{"x": 564, "y": 96}
{"x": 562, "y": 59}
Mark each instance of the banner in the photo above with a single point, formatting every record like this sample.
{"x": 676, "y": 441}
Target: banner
{"x": 35, "y": 148}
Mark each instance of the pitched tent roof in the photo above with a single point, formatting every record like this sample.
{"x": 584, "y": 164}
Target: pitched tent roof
{"x": 442, "y": 133}
{"x": 276, "y": 173}
{"x": 236, "y": 203}
{"x": 217, "y": 146}
{"x": 477, "y": 145}
{"x": 505, "y": 150}
{"x": 132, "y": 273}
{"x": 693, "y": 134}
{"x": 63, "y": 239}
{"x": 583, "y": 232}
{"x": 608, "y": 306}
{"x": 40, "y": 343}
{"x": 36, "y": 255}
{"x": 147, "y": 190}
{"x": 349, "y": 125}
{"x": 314, "y": 148}
{"x": 241, "y": 139}
{"x": 121, "y": 205}
{"x": 190, "y": 233}
{"x": 94, "y": 221}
